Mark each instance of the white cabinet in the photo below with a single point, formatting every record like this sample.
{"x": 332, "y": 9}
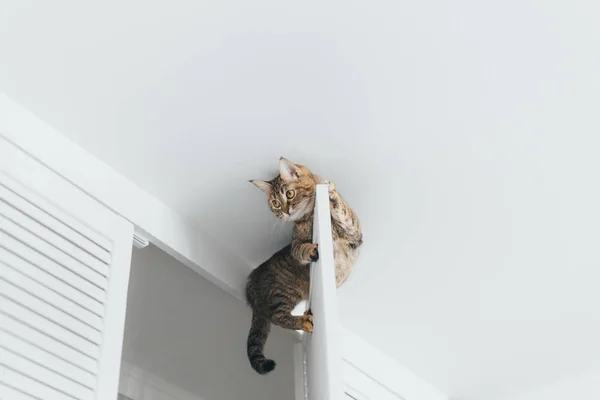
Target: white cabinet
{"x": 360, "y": 386}
{"x": 64, "y": 270}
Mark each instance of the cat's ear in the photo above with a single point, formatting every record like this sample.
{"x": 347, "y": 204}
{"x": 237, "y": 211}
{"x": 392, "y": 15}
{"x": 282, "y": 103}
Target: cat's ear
{"x": 287, "y": 170}
{"x": 262, "y": 185}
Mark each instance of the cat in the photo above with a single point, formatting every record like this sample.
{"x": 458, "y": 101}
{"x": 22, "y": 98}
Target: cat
{"x": 276, "y": 286}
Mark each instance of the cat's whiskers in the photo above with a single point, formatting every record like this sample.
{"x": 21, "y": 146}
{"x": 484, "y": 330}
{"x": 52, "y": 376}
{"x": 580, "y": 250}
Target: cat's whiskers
{"x": 274, "y": 225}
{"x": 280, "y": 229}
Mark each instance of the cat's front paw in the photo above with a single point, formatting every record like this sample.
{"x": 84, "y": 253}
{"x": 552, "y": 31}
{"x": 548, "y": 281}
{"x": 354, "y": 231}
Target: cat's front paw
{"x": 331, "y": 186}
{"x": 314, "y": 253}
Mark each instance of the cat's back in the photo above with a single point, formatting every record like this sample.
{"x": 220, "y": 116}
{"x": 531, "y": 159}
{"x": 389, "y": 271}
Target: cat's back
{"x": 280, "y": 267}
{"x": 280, "y": 257}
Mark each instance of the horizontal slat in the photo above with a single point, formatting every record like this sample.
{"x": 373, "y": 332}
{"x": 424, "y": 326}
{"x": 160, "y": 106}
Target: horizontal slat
{"x": 18, "y": 248}
{"x": 56, "y": 300}
{"x": 20, "y": 313}
{"x": 52, "y": 252}
{"x": 47, "y": 360}
{"x": 27, "y": 385}
{"x": 9, "y": 325}
{"x": 34, "y": 226}
{"x": 53, "y": 314}
{"x": 52, "y": 223}
{"x": 10, "y": 393}
{"x": 52, "y": 283}
{"x": 43, "y": 375}
{"x": 52, "y": 209}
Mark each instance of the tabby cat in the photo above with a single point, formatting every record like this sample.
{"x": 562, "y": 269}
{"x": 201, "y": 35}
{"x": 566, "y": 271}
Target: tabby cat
{"x": 280, "y": 283}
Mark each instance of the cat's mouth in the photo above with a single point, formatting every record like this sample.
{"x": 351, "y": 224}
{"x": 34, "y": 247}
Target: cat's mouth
{"x": 297, "y": 213}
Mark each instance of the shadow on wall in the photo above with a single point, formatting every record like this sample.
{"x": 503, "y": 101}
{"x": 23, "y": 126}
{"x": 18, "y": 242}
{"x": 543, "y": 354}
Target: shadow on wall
{"x": 186, "y": 331}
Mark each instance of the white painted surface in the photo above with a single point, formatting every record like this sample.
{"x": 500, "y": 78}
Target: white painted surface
{"x": 579, "y": 386}
{"x": 165, "y": 227}
{"x": 64, "y": 271}
{"x": 138, "y": 384}
{"x": 299, "y": 360}
{"x": 464, "y": 133}
{"x": 322, "y": 347}
{"x": 376, "y": 375}
{"x": 184, "y": 330}
{"x": 134, "y": 204}
{"x": 360, "y": 386}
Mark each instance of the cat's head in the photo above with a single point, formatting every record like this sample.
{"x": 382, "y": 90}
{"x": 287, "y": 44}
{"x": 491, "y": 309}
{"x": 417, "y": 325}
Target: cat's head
{"x": 292, "y": 194}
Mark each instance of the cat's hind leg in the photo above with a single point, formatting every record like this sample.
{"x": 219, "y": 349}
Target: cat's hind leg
{"x": 281, "y": 315}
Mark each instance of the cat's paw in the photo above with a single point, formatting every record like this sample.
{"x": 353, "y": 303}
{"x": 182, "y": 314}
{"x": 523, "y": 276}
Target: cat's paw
{"x": 331, "y": 186}
{"x": 314, "y": 253}
{"x": 307, "y": 323}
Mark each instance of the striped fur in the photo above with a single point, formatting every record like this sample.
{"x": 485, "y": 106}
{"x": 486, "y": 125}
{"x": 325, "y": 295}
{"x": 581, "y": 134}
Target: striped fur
{"x": 273, "y": 290}
{"x": 257, "y": 337}
{"x": 276, "y": 286}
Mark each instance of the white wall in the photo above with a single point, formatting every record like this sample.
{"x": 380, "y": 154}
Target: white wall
{"x": 186, "y": 333}
{"x": 584, "y": 386}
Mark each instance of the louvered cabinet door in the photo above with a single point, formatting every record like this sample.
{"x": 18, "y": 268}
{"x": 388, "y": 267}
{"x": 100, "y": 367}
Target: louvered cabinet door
{"x": 64, "y": 271}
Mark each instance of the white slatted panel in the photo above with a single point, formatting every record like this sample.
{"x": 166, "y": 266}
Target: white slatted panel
{"x": 55, "y": 279}
{"x": 64, "y": 267}
{"x": 14, "y": 211}
{"x": 40, "y": 263}
{"x": 55, "y": 218}
{"x": 322, "y": 352}
{"x": 40, "y": 241}
{"x": 82, "y": 319}
{"x": 11, "y": 393}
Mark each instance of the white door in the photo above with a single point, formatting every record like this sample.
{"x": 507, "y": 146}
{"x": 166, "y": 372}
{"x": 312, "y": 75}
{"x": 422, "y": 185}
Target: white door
{"x": 360, "y": 386}
{"x": 64, "y": 271}
{"x": 323, "y": 357}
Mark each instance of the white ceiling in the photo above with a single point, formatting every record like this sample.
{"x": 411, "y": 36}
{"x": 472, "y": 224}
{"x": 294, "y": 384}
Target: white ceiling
{"x": 464, "y": 133}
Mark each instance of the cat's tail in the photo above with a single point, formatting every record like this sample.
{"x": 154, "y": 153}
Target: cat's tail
{"x": 257, "y": 338}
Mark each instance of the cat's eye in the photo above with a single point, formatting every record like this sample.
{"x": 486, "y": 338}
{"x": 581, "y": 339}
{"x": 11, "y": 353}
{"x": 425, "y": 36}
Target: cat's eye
{"x": 290, "y": 194}
{"x": 275, "y": 203}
